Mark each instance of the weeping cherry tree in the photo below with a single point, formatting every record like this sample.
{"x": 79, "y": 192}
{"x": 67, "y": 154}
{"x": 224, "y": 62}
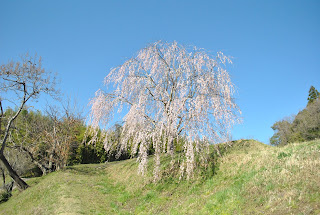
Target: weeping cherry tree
{"x": 169, "y": 92}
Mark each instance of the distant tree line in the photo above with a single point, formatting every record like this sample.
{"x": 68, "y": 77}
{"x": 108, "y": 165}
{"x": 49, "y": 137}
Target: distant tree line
{"x": 304, "y": 126}
{"x": 50, "y": 141}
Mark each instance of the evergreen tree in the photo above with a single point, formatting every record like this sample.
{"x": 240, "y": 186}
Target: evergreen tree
{"x": 313, "y": 94}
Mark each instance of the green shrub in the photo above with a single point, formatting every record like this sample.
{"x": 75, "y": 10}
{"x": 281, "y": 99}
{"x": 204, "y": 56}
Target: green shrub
{"x": 4, "y": 196}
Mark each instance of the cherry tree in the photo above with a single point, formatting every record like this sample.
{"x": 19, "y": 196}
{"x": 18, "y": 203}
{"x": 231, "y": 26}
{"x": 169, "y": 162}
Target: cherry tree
{"x": 170, "y": 92}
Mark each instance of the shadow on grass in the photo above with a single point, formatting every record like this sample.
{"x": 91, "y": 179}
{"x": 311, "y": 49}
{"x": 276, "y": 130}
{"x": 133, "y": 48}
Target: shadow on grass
{"x": 86, "y": 169}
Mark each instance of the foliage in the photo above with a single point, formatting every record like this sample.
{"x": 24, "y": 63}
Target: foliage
{"x": 313, "y": 95}
{"x": 304, "y": 126}
{"x": 4, "y": 196}
{"x": 49, "y": 137}
{"x": 283, "y": 132}
{"x": 91, "y": 154}
{"x": 45, "y": 139}
{"x": 170, "y": 92}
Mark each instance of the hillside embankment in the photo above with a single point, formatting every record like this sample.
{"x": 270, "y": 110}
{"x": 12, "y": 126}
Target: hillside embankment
{"x": 250, "y": 178}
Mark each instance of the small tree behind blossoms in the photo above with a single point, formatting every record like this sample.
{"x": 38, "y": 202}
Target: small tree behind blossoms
{"x": 170, "y": 92}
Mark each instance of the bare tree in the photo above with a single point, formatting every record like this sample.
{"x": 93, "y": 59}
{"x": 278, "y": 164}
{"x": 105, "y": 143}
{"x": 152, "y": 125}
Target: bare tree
{"x": 46, "y": 139}
{"x": 19, "y": 83}
{"x": 170, "y": 91}
{"x": 61, "y": 134}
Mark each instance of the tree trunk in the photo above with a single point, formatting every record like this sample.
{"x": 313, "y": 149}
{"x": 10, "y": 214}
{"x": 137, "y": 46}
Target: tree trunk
{"x": 50, "y": 166}
{"x": 20, "y": 183}
{"x": 3, "y": 178}
{"x": 170, "y": 148}
{"x": 43, "y": 169}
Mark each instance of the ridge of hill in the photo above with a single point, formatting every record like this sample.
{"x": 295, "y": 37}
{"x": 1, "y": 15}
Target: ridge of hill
{"x": 252, "y": 178}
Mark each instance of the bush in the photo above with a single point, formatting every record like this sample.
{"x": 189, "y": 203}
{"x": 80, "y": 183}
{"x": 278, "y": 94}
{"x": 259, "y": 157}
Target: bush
{"x": 4, "y": 196}
{"x": 91, "y": 154}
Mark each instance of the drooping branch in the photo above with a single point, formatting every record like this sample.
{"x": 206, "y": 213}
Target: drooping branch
{"x": 170, "y": 92}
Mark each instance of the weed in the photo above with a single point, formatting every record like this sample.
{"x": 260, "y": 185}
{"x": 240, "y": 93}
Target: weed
{"x": 283, "y": 155}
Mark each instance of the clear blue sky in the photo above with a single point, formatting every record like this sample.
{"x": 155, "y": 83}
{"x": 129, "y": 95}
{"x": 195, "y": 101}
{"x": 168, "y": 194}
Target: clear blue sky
{"x": 275, "y": 45}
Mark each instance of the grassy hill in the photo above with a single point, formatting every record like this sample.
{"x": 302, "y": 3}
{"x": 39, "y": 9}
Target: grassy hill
{"x": 252, "y": 178}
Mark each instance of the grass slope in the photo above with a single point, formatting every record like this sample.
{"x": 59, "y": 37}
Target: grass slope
{"x": 252, "y": 178}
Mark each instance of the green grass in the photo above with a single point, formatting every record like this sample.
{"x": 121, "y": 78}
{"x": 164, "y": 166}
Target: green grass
{"x": 252, "y": 178}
